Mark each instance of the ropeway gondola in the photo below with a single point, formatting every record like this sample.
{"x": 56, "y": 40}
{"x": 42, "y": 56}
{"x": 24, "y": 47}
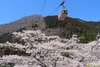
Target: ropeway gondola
{"x": 63, "y": 14}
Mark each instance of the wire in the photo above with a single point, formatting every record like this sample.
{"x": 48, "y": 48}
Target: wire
{"x": 53, "y": 10}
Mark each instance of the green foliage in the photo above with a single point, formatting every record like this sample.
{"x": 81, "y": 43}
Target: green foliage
{"x": 7, "y": 65}
{"x": 21, "y": 29}
{"x": 51, "y": 21}
{"x": 87, "y": 32}
{"x": 86, "y": 37}
{"x": 87, "y": 65}
{"x": 5, "y": 37}
{"x": 93, "y": 66}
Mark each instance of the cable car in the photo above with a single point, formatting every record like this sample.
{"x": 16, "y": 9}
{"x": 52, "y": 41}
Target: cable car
{"x": 63, "y": 14}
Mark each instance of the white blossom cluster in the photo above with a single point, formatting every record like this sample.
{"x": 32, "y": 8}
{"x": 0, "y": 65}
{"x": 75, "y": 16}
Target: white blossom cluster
{"x": 49, "y": 51}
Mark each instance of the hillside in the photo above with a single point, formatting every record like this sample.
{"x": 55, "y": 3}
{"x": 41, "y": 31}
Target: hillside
{"x": 46, "y": 42}
{"x": 52, "y": 26}
{"x": 52, "y": 21}
{"x": 75, "y": 26}
{"x": 25, "y": 22}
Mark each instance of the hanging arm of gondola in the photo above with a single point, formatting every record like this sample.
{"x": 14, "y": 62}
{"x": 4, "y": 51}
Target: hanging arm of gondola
{"x": 62, "y": 16}
{"x": 62, "y": 3}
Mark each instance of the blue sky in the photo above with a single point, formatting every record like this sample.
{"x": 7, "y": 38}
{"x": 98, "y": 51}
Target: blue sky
{"x": 11, "y": 10}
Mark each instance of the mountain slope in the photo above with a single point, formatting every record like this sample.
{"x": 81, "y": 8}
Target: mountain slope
{"x": 25, "y": 22}
{"x": 74, "y": 26}
{"x": 52, "y": 26}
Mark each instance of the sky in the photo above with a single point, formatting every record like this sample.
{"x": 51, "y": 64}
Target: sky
{"x": 12, "y": 10}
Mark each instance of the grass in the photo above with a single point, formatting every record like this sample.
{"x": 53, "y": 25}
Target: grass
{"x": 92, "y": 66}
